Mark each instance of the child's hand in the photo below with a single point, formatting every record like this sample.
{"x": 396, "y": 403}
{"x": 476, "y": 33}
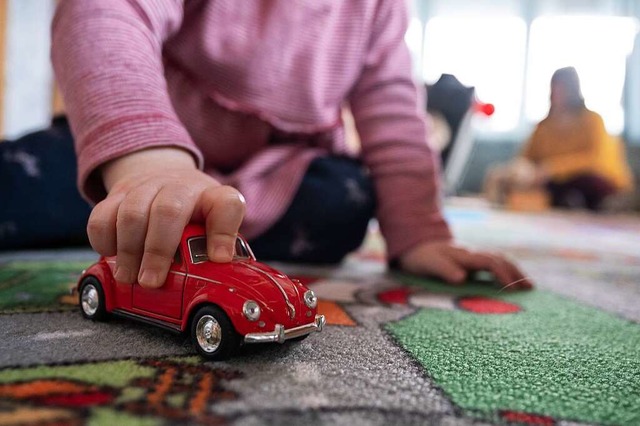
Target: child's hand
{"x": 153, "y": 194}
{"x": 451, "y": 263}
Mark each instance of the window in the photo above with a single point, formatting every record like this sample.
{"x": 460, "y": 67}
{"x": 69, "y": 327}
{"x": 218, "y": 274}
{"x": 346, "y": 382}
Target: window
{"x": 242, "y": 250}
{"x": 413, "y": 38}
{"x": 597, "y": 46}
{"x": 198, "y": 249}
{"x": 485, "y": 52}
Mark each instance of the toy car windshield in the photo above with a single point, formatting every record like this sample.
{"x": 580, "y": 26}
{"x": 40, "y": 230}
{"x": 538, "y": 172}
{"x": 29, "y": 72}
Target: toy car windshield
{"x": 198, "y": 250}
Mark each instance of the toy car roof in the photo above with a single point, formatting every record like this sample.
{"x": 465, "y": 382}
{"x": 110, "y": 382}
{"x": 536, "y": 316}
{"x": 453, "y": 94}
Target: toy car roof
{"x": 195, "y": 230}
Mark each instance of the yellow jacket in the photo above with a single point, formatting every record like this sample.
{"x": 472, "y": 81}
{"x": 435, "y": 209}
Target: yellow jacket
{"x": 569, "y": 146}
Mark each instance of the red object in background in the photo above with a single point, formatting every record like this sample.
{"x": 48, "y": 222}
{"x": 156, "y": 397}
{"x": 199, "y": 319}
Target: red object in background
{"x": 221, "y": 305}
{"x": 483, "y": 108}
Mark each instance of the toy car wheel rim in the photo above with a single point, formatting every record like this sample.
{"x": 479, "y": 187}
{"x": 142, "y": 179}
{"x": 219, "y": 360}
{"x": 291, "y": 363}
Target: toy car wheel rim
{"x": 90, "y": 299}
{"x": 208, "y": 333}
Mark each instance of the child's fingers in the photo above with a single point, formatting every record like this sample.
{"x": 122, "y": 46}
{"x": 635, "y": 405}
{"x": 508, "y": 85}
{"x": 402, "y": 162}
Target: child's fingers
{"x": 505, "y": 271}
{"x": 101, "y": 227}
{"x": 516, "y": 279}
{"x": 223, "y": 208}
{"x": 520, "y": 281}
{"x": 483, "y": 262}
{"x": 448, "y": 270}
{"x": 439, "y": 265}
{"x": 169, "y": 214}
{"x": 132, "y": 222}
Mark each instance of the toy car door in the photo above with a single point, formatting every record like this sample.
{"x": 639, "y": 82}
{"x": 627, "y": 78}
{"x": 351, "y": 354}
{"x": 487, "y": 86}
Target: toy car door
{"x": 166, "y": 300}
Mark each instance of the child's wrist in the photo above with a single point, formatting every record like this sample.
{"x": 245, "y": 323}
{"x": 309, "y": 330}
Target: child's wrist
{"x": 146, "y": 161}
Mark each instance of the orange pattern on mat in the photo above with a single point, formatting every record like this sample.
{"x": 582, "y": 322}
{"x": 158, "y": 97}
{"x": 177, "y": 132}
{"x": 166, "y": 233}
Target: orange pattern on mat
{"x": 165, "y": 383}
{"x": 41, "y": 387}
{"x": 37, "y": 415}
{"x": 198, "y": 404}
{"x": 334, "y": 313}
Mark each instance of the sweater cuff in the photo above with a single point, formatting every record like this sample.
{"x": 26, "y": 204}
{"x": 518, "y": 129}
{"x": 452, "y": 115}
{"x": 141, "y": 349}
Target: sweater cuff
{"x": 125, "y": 136}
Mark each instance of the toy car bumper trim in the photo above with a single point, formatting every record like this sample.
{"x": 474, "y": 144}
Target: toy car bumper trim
{"x": 280, "y": 335}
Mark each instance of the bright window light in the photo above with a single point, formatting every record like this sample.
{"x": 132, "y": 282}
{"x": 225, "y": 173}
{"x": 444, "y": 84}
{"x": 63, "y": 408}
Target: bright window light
{"x": 485, "y": 52}
{"x": 597, "y": 46}
{"x": 413, "y": 38}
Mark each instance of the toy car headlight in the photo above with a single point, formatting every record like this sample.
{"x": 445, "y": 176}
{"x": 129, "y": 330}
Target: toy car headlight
{"x": 251, "y": 310}
{"x": 310, "y": 299}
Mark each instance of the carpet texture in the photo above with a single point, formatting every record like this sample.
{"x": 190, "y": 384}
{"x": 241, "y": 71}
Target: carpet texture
{"x": 397, "y": 349}
{"x": 545, "y": 355}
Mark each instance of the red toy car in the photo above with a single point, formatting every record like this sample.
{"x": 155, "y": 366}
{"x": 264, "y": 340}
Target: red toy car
{"x": 222, "y": 305}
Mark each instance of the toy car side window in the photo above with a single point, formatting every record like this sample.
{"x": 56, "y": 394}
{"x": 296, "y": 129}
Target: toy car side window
{"x": 198, "y": 249}
{"x": 242, "y": 250}
{"x": 177, "y": 259}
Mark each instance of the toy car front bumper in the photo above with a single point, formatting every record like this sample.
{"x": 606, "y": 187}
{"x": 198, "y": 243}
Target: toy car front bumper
{"x": 280, "y": 335}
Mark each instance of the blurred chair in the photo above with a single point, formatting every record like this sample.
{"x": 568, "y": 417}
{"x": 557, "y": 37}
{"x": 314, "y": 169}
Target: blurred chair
{"x": 456, "y": 103}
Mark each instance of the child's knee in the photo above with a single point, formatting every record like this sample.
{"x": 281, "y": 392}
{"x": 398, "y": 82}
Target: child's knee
{"x": 339, "y": 191}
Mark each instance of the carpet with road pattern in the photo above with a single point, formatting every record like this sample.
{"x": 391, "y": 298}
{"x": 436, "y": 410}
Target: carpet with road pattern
{"x": 397, "y": 349}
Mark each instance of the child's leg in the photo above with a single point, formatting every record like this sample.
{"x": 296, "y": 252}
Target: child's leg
{"x": 328, "y": 217}
{"x": 40, "y": 204}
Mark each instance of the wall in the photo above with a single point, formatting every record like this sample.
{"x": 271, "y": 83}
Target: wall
{"x": 28, "y": 84}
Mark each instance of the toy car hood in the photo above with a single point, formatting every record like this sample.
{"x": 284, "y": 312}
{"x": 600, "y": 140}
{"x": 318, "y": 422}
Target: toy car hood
{"x": 264, "y": 284}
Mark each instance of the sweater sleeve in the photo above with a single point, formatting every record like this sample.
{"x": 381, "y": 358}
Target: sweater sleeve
{"x": 390, "y": 118}
{"x": 107, "y": 57}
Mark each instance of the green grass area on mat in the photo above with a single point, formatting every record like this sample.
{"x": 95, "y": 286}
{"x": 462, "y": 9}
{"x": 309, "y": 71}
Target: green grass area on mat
{"x": 556, "y": 357}
{"x": 108, "y": 417}
{"x": 117, "y": 374}
{"x": 36, "y": 286}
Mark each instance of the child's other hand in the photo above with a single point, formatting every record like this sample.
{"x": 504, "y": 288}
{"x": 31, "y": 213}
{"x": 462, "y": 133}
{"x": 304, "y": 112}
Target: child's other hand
{"x": 451, "y": 263}
{"x": 153, "y": 194}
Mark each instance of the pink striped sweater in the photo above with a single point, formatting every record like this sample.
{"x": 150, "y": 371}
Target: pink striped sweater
{"x": 253, "y": 89}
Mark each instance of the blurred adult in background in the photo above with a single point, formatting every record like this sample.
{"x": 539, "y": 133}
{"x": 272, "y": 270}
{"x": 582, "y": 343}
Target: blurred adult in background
{"x": 570, "y": 154}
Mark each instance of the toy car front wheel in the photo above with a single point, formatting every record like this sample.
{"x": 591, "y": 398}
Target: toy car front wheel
{"x": 91, "y": 299}
{"x": 212, "y": 333}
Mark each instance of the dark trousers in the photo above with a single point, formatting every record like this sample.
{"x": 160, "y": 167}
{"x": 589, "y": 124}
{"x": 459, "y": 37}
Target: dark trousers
{"x": 39, "y": 202}
{"x": 586, "y": 190}
{"x": 328, "y": 217}
{"x": 40, "y": 205}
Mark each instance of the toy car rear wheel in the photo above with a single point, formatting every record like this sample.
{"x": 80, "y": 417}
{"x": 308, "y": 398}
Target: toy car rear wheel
{"x": 91, "y": 298}
{"x": 213, "y": 334}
